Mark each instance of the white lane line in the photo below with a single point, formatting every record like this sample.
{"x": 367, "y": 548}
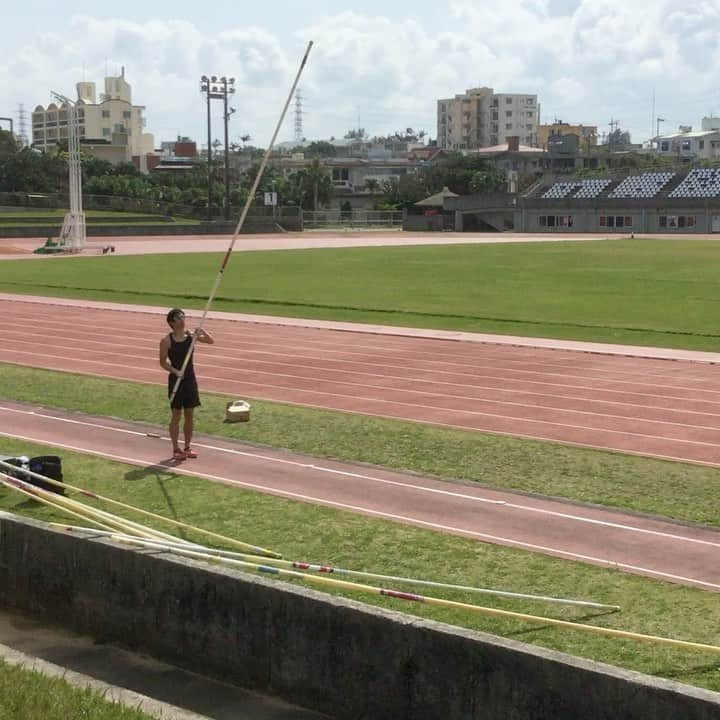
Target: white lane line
{"x": 385, "y": 481}
{"x": 585, "y": 445}
{"x": 421, "y": 406}
{"x": 491, "y": 367}
{"x": 390, "y": 516}
{"x": 246, "y": 370}
{"x": 387, "y": 356}
{"x": 385, "y": 361}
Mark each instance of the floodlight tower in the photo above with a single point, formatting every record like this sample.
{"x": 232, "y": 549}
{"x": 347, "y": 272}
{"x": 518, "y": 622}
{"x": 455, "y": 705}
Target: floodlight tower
{"x": 73, "y": 234}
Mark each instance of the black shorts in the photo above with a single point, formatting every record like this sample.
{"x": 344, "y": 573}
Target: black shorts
{"x": 187, "y": 395}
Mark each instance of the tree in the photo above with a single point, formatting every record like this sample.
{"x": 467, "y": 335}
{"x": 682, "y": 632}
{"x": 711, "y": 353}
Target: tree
{"x": 457, "y": 172}
{"x": 358, "y": 134}
{"x": 372, "y": 185}
{"x": 487, "y": 180}
{"x": 320, "y": 148}
{"x": 619, "y": 137}
{"x": 403, "y": 192}
{"x": 310, "y": 187}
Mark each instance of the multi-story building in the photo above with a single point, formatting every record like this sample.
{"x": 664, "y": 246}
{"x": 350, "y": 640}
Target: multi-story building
{"x": 483, "y": 118}
{"x": 703, "y": 144}
{"x": 586, "y": 134}
{"x": 112, "y": 128}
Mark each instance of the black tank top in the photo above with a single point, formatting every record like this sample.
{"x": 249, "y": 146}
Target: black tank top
{"x": 177, "y": 352}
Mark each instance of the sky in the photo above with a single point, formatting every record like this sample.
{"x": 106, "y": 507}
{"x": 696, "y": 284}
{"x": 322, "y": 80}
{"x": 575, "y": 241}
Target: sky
{"x": 375, "y": 64}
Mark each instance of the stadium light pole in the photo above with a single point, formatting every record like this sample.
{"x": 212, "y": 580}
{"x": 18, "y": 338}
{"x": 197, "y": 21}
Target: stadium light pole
{"x": 227, "y": 88}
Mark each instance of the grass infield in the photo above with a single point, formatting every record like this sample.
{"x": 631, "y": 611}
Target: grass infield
{"x": 684, "y": 492}
{"x": 643, "y": 292}
{"x": 307, "y": 532}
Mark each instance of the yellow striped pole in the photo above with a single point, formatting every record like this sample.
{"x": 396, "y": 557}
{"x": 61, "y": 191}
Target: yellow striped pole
{"x": 440, "y": 602}
{"x": 146, "y": 513}
{"x": 329, "y": 570}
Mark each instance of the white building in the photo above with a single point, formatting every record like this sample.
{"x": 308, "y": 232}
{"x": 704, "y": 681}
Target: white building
{"x": 482, "y": 118}
{"x": 702, "y": 144}
{"x": 112, "y": 128}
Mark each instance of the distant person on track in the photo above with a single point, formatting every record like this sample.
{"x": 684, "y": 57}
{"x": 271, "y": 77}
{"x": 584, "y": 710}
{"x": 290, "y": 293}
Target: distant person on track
{"x": 174, "y": 348}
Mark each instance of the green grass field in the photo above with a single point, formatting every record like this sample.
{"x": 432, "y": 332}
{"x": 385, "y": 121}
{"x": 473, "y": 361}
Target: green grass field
{"x": 685, "y": 492}
{"x": 320, "y": 534}
{"x": 627, "y": 291}
{"x": 28, "y": 695}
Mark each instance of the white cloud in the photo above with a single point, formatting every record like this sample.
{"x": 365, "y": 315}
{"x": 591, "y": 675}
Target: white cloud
{"x": 587, "y": 59}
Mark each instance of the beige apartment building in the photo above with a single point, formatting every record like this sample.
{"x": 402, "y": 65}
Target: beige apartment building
{"x": 112, "y": 128}
{"x": 483, "y": 118}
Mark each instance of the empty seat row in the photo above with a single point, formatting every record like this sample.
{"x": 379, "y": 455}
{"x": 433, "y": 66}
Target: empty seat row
{"x": 647, "y": 185}
{"x": 578, "y": 189}
{"x": 699, "y": 183}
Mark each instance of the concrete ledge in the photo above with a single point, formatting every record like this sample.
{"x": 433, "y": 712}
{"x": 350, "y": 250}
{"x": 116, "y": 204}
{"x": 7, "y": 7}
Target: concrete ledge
{"x": 336, "y": 656}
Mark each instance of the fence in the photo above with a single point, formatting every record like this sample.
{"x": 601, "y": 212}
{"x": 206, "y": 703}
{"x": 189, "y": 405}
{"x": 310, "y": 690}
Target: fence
{"x": 352, "y": 218}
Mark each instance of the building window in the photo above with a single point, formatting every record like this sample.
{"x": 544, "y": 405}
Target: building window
{"x": 686, "y": 145}
{"x": 508, "y": 101}
{"x": 665, "y": 146}
{"x": 555, "y": 220}
{"x": 701, "y": 144}
{"x": 677, "y": 221}
{"x": 508, "y": 113}
{"x": 106, "y": 113}
{"x": 616, "y": 221}
{"x": 508, "y": 126}
{"x": 127, "y": 114}
{"x": 106, "y": 132}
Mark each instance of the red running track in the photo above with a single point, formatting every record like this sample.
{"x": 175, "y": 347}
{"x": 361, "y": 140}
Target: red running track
{"x": 658, "y": 408}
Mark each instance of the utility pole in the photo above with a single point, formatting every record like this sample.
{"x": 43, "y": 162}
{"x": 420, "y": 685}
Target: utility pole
{"x": 206, "y": 87}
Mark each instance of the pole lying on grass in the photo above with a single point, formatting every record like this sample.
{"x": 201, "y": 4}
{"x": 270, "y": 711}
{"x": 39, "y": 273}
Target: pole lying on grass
{"x": 441, "y": 602}
{"x": 77, "y": 509}
{"x": 310, "y": 567}
{"x": 117, "y": 503}
{"x": 241, "y": 222}
{"x": 9, "y": 483}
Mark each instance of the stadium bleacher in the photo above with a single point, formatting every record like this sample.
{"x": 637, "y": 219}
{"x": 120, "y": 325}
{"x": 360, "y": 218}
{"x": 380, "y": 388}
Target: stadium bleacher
{"x": 646, "y": 185}
{"x": 580, "y": 189}
{"x": 699, "y": 183}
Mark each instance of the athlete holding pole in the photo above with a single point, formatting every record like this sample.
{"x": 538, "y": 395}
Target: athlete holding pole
{"x": 184, "y": 396}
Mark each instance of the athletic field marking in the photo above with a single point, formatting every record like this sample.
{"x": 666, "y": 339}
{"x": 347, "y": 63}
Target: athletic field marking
{"x": 389, "y": 516}
{"x": 385, "y": 481}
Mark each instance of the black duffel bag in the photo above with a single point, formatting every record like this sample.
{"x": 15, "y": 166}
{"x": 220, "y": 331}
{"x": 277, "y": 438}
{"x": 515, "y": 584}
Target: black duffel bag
{"x": 51, "y": 467}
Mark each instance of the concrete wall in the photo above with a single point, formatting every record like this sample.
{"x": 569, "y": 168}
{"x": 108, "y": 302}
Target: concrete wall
{"x": 333, "y": 655}
{"x": 644, "y": 220}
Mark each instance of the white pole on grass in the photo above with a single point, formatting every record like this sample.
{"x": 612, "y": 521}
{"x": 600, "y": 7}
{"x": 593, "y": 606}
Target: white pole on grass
{"x": 241, "y": 222}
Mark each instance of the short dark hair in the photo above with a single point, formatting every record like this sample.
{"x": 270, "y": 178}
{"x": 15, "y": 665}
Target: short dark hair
{"x": 174, "y": 314}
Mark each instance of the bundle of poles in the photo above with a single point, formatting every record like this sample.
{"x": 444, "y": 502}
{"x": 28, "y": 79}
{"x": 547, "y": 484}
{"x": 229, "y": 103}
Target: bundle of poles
{"x": 257, "y": 559}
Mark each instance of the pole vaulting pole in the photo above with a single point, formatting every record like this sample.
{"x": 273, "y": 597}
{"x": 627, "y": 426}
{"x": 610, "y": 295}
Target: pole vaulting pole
{"x": 10, "y": 484}
{"x": 241, "y": 222}
{"x": 327, "y": 570}
{"x": 146, "y": 513}
{"x": 441, "y": 602}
